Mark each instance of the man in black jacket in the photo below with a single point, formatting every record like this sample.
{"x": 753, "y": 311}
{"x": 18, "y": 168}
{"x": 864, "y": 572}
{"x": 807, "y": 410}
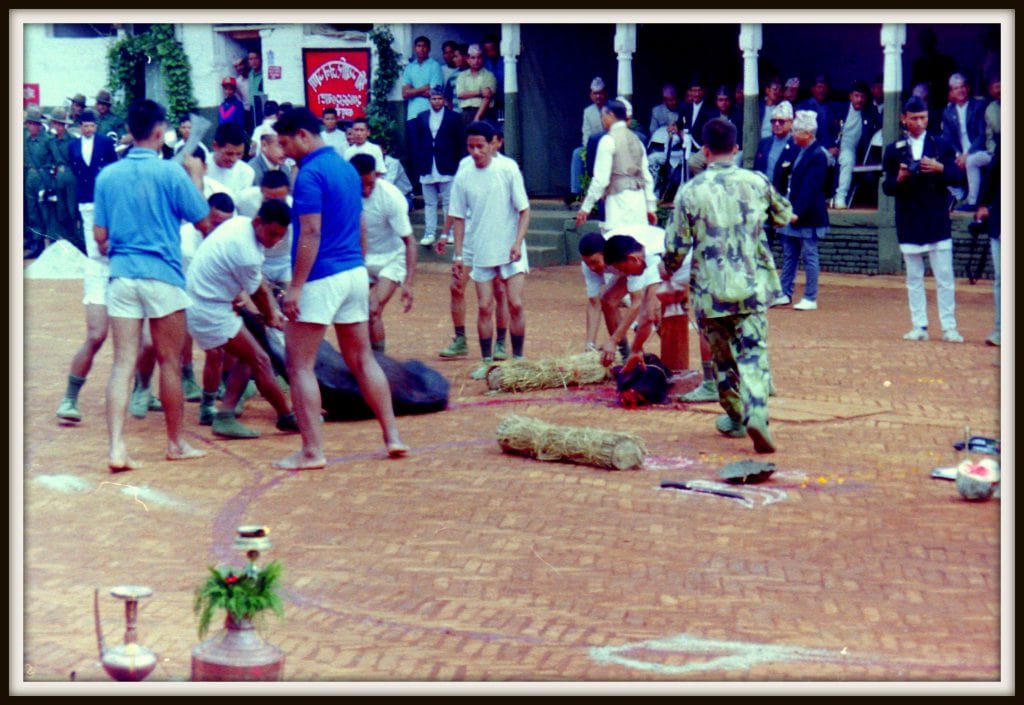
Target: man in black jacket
{"x": 440, "y": 144}
{"x": 918, "y": 169}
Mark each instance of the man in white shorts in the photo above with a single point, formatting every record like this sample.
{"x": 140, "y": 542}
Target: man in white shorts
{"x": 494, "y": 191}
{"x": 390, "y": 252}
{"x": 229, "y": 262}
{"x": 627, "y": 254}
{"x": 596, "y": 276}
{"x": 140, "y": 203}
{"x": 640, "y": 283}
{"x": 329, "y": 286}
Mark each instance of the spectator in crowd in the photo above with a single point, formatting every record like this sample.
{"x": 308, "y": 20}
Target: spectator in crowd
{"x": 442, "y": 143}
{"x": 666, "y": 113}
{"x": 696, "y": 112}
{"x": 89, "y": 155}
{"x": 720, "y": 216}
{"x": 106, "y": 120}
{"x": 231, "y": 109}
{"x": 591, "y": 126}
{"x": 992, "y": 127}
{"x": 878, "y": 96}
{"x": 622, "y": 176}
{"x": 361, "y": 144}
{"x": 225, "y": 164}
{"x": 963, "y": 126}
{"x": 917, "y": 171}
{"x": 772, "y": 97}
{"x": 458, "y": 65}
{"x": 255, "y": 61}
{"x": 448, "y": 65}
{"x": 774, "y": 159}
{"x": 329, "y": 286}
{"x": 38, "y": 181}
{"x": 395, "y": 174}
{"x": 63, "y": 209}
{"x": 270, "y": 158}
{"x": 491, "y": 46}
{"x": 990, "y": 210}
{"x": 808, "y": 184}
{"x": 476, "y": 89}
{"x": 419, "y": 76}
{"x": 271, "y": 111}
{"x": 828, "y": 115}
{"x": 390, "y": 251}
{"x": 76, "y": 107}
{"x": 184, "y": 131}
{"x": 858, "y": 127}
{"x": 331, "y": 135}
{"x": 791, "y": 90}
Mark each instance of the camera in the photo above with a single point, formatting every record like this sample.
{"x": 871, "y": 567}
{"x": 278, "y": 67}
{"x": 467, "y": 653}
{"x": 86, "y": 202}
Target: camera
{"x": 914, "y": 166}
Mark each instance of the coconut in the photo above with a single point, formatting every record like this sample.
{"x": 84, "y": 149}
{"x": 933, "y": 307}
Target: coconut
{"x": 977, "y": 480}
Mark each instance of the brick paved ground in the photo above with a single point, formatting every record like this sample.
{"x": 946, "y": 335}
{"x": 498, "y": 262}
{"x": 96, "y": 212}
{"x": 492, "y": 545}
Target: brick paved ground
{"x": 463, "y": 564}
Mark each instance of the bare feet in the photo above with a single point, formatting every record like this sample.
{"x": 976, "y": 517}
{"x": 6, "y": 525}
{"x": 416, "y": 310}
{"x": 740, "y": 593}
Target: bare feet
{"x": 183, "y": 451}
{"x": 397, "y": 450}
{"x": 300, "y": 461}
{"x": 123, "y": 464}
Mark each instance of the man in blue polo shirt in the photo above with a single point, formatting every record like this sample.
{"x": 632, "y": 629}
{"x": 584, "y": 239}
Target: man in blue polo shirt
{"x": 329, "y": 285}
{"x": 140, "y": 203}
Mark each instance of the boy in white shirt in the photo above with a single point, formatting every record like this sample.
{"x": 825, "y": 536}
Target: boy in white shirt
{"x": 225, "y": 165}
{"x": 494, "y": 192}
{"x": 228, "y": 263}
{"x": 362, "y": 145}
{"x": 390, "y": 251}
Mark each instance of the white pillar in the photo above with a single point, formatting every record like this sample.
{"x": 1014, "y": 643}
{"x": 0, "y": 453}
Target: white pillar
{"x": 625, "y": 46}
{"x": 894, "y": 36}
{"x": 750, "y": 45}
{"x": 510, "y": 49}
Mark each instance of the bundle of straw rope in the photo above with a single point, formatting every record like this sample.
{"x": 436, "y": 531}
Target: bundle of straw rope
{"x": 521, "y": 435}
{"x": 521, "y": 375}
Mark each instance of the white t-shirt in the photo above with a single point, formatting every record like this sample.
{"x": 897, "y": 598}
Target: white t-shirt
{"x": 228, "y": 261}
{"x": 192, "y": 238}
{"x": 367, "y": 148}
{"x": 386, "y": 216}
{"x": 236, "y": 179}
{"x": 496, "y": 195}
{"x": 335, "y": 139}
{"x": 278, "y": 263}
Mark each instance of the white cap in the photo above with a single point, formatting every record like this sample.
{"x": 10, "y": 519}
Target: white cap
{"x": 783, "y": 110}
{"x": 597, "y": 84}
{"x": 806, "y": 121}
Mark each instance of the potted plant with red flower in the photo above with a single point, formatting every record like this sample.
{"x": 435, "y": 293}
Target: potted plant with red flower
{"x": 239, "y": 653}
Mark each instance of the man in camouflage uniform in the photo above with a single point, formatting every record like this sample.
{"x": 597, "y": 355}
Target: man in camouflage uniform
{"x": 38, "y": 181}
{"x": 63, "y": 213}
{"x": 721, "y": 213}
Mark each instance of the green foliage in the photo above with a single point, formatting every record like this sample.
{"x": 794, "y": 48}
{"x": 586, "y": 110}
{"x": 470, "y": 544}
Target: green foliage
{"x": 244, "y": 594}
{"x": 127, "y": 57}
{"x": 383, "y": 125}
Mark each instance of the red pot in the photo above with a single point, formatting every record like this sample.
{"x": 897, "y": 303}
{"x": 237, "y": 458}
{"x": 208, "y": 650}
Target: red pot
{"x": 238, "y": 653}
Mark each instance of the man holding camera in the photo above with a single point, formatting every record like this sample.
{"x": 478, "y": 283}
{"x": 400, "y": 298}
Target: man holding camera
{"x": 918, "y": 170}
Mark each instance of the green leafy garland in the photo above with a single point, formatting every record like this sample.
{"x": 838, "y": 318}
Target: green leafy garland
{"x": 243, "y": 594}
{"x": 383, "y": 125}
{"x": 127, "y": 55}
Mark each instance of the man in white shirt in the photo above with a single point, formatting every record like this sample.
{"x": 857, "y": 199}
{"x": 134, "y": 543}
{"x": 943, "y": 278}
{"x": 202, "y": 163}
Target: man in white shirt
{"x": 622, "y": 175}
{"x": 390, "y": 251}
{"x": 361, "y": 144}
{"x": 331, "y": 135}
{"x": 225, "y": 165}
{"x": 226, "y": 264}
{"x": 494, "y": 192}
{"x": 277, "y": 262}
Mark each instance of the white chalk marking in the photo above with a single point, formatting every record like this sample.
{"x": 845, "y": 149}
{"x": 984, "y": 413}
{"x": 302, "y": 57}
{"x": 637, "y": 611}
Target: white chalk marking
{"x": 738, "y": 655}
{"x": 544, "y": 561}
{"x": 63, "y": 483}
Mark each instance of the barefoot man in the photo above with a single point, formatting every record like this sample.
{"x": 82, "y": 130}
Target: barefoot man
{"x": 329, "y": 285}
{"x": 139, "y": 204}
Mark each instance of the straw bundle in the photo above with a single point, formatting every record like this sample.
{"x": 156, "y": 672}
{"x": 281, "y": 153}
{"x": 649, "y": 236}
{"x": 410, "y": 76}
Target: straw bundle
{"x": 520, "y": 435}
{"x": 521, "y": 375}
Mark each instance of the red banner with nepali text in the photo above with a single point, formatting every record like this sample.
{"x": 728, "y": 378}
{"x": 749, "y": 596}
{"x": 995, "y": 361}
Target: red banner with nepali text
{"x": 339, "y": 79}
